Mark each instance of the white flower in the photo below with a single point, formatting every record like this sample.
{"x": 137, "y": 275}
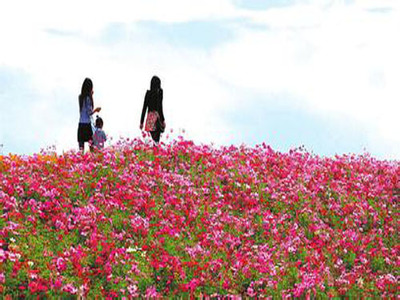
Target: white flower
{"x": 132, "y": 249}
{"x": 132, "y": 289}
{"x": 360, "y": 282}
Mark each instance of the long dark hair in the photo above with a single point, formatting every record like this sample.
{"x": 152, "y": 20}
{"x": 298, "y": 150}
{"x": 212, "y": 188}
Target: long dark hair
{"x": 155, "y": 84}
{"x": 86, "y": 91}
{"x": 156, "y": 91}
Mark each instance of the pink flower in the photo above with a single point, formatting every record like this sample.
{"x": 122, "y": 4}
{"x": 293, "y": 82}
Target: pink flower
{"x": 69, "y": 288}
{"x": 133, "y": 290}
{"x": 2, "y": 255}
{"x": 151, "y": 292}
{"x": 251, "y": 292}
{"x": 61, "y": 264}
{"x": 202, "y": 215}
{"x": 58, "y": 283}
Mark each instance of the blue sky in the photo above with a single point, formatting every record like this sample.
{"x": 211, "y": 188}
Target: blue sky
{"x": 263, "y": 5}
{"x": 323, "y": 74}
{"x": 286, "y": 126}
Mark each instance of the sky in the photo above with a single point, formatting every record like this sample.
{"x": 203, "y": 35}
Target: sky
{"x": 323, "y": 75}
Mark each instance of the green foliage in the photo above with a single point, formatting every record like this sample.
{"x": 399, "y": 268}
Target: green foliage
{"x": 378, "y": 263}
{"x": 349, "y": 259}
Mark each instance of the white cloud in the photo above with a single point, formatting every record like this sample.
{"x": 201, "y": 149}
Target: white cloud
{"x": 331, "y": 57}
{"x": 91, "y": 15}
{"x": 121, "y": 74}
{"x": 339, "y": 59}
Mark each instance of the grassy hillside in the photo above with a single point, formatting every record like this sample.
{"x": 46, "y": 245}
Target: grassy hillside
{"x": 187, "y": 219}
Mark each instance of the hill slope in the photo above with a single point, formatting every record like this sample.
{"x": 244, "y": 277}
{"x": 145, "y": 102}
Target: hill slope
{"x": 192, "y": 219}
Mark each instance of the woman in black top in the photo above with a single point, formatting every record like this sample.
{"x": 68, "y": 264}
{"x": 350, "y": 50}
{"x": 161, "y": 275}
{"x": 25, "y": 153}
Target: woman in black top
{"x": 155, "y": 122}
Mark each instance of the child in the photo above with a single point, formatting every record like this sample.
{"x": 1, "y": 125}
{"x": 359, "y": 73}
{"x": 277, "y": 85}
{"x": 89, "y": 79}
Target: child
{"x": 99, "y": 137}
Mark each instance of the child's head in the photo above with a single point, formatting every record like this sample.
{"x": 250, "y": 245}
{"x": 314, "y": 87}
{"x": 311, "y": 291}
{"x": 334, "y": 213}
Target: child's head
{"x": 99, "y": 122}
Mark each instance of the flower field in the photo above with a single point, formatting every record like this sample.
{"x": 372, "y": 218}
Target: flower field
{"x": 196, "y": 220}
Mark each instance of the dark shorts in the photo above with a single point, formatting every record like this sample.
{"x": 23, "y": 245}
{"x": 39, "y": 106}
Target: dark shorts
{"x": 85, "y": 132}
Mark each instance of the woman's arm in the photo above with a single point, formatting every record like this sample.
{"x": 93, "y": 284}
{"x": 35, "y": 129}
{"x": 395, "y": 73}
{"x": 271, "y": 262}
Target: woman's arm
{"x": 97, "y": 109}
{"x": 90, "y": 109}
{"x": 161, "y": 113}
{"x": 144, "y": 109}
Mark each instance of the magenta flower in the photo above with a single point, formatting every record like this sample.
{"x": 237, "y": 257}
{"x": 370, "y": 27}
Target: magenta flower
{"x": 182, "y": 220}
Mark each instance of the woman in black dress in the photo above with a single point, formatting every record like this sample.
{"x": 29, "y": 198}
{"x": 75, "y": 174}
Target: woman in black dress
{"x": 155, "y": 122}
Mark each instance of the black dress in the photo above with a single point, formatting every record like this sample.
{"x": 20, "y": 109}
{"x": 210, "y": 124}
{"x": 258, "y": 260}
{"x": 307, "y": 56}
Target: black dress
{"x": 153, "y": 104}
